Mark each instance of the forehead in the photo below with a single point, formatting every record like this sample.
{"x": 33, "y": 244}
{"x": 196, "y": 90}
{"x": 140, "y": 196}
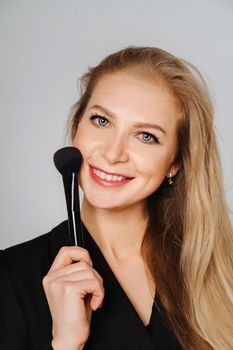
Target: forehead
{"x": 135, "y": 97}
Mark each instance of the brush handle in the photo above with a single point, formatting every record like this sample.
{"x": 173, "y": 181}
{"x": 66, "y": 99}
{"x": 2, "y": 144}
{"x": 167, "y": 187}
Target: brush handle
{"x": 73, "y": 209}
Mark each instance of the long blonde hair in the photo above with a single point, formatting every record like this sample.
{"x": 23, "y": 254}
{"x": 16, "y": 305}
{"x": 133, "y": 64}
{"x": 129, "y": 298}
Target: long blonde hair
{"x": 188, "y": 244}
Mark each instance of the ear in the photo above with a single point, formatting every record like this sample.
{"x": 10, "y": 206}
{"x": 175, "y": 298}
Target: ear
{"x": 173, "y": 170}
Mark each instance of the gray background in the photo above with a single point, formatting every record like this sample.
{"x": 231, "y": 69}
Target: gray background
{"x": 45, "y": 47}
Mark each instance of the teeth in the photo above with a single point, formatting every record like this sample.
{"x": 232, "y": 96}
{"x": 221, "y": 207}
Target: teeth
{"x": 108, "y": 177}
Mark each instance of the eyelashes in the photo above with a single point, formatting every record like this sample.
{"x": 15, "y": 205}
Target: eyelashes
{"x": 151, "y": 137}
{"x": 100, "y": 120}
{"x": 147, "y": 137}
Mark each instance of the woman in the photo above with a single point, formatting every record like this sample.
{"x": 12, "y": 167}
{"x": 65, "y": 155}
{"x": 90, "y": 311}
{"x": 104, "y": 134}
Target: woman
{"x": 156, "y": 271}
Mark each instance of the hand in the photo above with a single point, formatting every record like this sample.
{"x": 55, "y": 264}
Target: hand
{"x": 73, "y": 290}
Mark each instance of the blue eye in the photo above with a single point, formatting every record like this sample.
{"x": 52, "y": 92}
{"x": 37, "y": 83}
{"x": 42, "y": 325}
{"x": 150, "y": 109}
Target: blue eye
{"x": 101, "y": 121}
{"x": 149, "y": 138}
{"x": 146, "y": 136}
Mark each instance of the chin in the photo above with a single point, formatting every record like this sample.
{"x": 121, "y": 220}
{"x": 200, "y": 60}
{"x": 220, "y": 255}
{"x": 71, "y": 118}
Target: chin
{"x": 103, "y": 202}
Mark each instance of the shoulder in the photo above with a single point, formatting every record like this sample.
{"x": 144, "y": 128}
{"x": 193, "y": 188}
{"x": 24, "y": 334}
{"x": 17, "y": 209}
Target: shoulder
{"x": 23, "y": 304}
{"x": 36, "y": 253}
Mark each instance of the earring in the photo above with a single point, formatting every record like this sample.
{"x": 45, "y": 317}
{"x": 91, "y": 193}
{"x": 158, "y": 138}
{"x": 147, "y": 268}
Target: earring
{"x": 170, "y": 181}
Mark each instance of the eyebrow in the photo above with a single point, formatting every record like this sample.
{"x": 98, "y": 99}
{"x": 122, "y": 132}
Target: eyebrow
{"x": 137, "y": 125}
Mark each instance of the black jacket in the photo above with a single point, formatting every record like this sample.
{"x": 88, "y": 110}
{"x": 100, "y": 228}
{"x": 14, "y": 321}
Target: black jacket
{"x": 25, "y": 321}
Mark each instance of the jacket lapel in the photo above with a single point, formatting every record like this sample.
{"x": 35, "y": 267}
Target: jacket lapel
{"x": 116, "y": 325}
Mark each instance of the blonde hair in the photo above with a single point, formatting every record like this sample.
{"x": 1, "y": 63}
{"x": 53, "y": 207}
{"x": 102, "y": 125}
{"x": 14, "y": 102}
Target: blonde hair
{"x": 188, "y": 244}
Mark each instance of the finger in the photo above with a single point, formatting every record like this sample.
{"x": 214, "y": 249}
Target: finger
{"x": 78, "y": 266}
{"x": 67, "y": 255}
{"x": 95, "y": 289}
{"x": 64, "y": 272}
{"x": 80, "y": 275}
{"x": 72, "y": 289}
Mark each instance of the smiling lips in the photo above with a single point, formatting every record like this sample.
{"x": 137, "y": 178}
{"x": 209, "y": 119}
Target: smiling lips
{"x": 107, "y": 179}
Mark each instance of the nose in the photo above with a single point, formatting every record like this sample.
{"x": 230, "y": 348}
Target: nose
{"x": 115, "y": 150}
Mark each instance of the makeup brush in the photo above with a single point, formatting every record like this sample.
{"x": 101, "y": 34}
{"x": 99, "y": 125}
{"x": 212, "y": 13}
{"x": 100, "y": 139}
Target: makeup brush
{"x": 68, "y": 162}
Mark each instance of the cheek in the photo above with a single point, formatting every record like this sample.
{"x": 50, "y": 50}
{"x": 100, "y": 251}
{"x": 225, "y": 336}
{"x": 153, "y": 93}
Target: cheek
{"x": 81, "y": 140}
{"x": 154, "y": 163}
{"x": 78, "y": 142}
{"x": 153, "y": 172}
{"x": 84, "y": 141}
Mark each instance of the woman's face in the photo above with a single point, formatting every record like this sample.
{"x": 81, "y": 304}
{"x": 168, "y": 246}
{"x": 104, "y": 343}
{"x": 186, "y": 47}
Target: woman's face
{"x": 127, "y": 137}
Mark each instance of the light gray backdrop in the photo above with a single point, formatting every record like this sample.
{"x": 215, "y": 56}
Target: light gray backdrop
{"x": 45, "y": 47}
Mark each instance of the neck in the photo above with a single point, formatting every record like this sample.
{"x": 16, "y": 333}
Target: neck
{"x": 118, "y": 233}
